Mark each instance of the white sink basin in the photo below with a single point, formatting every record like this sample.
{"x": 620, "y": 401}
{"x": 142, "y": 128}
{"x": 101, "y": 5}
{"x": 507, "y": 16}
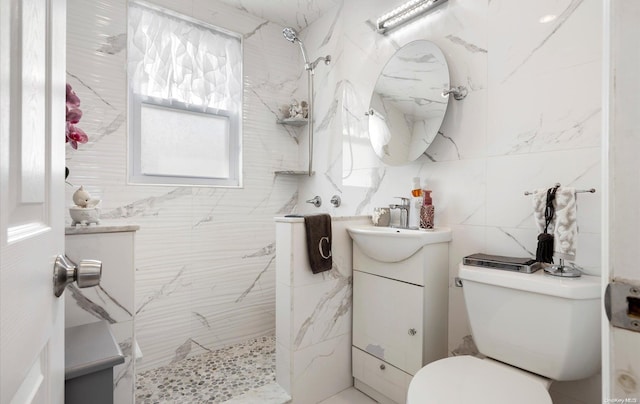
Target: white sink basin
{"x": 389, "y": 244}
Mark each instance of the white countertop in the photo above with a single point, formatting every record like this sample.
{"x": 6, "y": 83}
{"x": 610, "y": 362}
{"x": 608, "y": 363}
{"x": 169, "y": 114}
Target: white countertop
{"x": 100, "y": 228}
{"x": 300, "y": 219}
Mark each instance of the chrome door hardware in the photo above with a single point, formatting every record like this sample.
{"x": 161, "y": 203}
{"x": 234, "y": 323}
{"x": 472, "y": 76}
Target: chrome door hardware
{"x": 65, "y": 272}
{"x": 622, "y": 305}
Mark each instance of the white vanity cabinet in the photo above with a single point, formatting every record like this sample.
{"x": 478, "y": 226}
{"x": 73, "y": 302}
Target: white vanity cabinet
{"x": 399, "y": 319}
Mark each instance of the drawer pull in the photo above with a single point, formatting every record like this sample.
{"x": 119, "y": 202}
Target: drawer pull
{"x": 412, "y": 331}
{"x": 382, "y": 366}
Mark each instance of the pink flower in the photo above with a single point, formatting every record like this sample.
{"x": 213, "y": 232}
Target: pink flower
{"x": 72, "y": 98}
{"x": 74, "y": 134}
{"x": 73, "y": 115}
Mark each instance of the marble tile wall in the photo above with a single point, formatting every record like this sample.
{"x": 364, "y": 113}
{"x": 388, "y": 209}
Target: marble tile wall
{"x": 205, "y": 256}
{"x": 113, "y": 299}
{"x": 205, "y": 270}
{"x": 532, "y": 118}
{"x": 314, "y": 313}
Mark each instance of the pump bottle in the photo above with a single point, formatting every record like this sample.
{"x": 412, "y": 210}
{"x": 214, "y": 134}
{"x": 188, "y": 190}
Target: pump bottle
{"x": 427, "y": 210}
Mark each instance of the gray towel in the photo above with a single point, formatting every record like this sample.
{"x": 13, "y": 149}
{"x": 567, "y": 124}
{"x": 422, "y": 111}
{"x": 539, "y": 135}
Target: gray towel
{"x": 318, "y": 229}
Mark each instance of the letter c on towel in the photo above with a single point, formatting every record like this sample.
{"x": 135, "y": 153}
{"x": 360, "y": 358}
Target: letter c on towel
{"x": 322, "y": 254}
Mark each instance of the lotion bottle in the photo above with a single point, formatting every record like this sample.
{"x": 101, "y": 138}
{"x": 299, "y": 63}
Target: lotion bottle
{"x": 426, "y": 211}
{"x": 415, "y": 204}
{"x": 416, "y": 190}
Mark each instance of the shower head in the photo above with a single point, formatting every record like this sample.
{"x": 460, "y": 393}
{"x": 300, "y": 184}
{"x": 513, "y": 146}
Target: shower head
{"x": 290, "y": 34}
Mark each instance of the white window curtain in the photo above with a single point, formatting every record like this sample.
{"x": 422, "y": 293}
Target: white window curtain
{"x": 185, "y": 83}
{"x": 178, "y": 60}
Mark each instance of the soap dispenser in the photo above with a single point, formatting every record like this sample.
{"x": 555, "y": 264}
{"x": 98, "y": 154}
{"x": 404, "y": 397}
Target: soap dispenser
{"x": 427, "y": 211}
{"x": 415, "y": 204}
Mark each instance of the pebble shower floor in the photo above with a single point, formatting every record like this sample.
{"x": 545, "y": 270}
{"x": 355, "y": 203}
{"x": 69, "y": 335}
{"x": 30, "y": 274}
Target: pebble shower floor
{"x": 242, "y": 373}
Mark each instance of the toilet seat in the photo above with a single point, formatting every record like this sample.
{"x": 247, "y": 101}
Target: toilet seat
{"x": 467, "y": 379}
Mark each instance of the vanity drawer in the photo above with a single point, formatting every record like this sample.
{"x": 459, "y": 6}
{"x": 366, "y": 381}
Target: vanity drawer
{"x": 383, "y": 377}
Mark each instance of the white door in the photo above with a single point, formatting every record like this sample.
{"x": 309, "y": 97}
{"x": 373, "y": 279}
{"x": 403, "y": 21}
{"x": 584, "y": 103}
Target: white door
{"x": 621, "y": 350}
{"x": 32, "y": 121}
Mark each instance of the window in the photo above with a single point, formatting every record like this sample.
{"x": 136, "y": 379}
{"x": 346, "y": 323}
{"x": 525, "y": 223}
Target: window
{"x": 185, "y": 100}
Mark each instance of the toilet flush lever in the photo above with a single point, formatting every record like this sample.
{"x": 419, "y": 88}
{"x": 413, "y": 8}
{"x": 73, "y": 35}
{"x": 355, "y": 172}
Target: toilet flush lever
{"x": 65, "y": 272}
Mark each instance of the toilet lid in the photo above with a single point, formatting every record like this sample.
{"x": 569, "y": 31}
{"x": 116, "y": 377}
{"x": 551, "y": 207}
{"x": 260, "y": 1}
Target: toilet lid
{"x": 466, "y": 379}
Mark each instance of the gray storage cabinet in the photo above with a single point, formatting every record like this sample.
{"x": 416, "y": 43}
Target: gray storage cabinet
{"x": 91, "y": 352}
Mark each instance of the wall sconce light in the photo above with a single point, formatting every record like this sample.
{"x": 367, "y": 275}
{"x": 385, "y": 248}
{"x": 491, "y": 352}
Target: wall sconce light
{"x": 405, "y": 13}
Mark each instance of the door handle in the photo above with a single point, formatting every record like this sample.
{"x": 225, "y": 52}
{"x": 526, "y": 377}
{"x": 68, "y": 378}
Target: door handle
{"x": 65, "y": 272}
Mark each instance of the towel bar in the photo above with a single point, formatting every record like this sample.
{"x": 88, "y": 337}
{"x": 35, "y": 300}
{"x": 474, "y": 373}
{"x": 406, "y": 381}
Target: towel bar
{"x": 578, "y": 191}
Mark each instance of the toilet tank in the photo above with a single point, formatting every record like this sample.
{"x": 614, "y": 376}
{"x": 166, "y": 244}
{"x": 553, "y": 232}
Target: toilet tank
{"x": 544, "y": 324}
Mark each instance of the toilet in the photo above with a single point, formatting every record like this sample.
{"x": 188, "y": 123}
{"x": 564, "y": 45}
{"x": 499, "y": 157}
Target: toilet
{"x": 532, "y": 328}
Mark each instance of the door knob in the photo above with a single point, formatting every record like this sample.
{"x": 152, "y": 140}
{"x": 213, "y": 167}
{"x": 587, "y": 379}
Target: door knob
{"x": 65, "y": 271}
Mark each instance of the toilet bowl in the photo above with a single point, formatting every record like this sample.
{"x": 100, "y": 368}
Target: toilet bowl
{"x": 538, "y": 328}
{"x": 467, "y": 379}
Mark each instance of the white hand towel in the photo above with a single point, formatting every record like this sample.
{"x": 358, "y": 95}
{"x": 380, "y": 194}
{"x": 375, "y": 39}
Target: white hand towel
{"x": 539, "y": 204}
{"x": 566, "y": 225}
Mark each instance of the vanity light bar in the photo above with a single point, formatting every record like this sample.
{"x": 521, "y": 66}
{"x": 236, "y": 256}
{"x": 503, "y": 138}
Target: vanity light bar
{"x": 404, "y": 13}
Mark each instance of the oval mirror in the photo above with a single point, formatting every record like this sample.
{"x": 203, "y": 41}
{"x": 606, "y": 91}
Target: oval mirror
{"x": 407, "y": 106}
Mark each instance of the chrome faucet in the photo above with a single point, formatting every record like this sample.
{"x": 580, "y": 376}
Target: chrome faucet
{"x": 404, "y": 208}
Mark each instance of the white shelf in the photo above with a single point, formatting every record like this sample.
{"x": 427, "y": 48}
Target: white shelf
{"x": 293, "y": 172}
{"x": 293, "y": 121}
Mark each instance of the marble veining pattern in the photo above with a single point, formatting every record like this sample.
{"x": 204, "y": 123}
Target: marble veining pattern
{"x": 468, "y": 46}
{"x": 248, "y": 290}
{"x": 165, "y": 290}
{"x": 328, "y": 311}
{"x": 531, "y": 119}
{"x": 99, "y": 310}
{"x": 560, "y": 21}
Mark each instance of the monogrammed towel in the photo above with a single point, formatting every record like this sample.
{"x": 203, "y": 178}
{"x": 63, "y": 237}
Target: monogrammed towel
{"x": 318, "y": 229}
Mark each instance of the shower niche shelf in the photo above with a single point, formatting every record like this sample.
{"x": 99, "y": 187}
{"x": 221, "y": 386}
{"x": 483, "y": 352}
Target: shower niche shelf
{"x": 294, "y": 172}
{"x": 293, "y": 121}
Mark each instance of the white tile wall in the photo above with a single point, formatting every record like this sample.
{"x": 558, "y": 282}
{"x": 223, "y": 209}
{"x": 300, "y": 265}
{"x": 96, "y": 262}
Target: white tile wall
{"x": 205, "y": 270}
{"x": 112, "y": 300}
{"x": 532, "y": 118}
{"x": 313, "y": 325}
